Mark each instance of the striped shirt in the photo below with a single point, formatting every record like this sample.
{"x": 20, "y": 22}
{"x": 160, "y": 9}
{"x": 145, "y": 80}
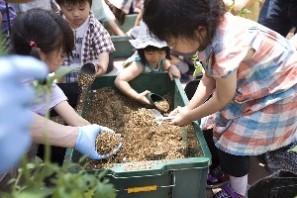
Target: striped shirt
{"x": 262, "y": 115}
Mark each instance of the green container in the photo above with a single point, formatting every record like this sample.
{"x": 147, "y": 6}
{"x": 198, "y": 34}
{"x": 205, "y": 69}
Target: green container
{"x": 123, "y": 48}
{"x": 171, "y": 178}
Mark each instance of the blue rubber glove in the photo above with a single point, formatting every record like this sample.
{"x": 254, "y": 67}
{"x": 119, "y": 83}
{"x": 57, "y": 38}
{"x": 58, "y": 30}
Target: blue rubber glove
{"x": 15, "y": 114}
{"x": 86, "y": 141}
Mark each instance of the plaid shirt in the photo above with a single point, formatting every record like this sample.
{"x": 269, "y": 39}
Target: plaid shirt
{"x": 262, "y": 115}
{"x": 96, "y": 40}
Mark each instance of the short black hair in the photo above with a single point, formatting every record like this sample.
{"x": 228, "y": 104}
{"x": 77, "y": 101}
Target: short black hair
{"x": 173, "y": 18}
{"x": 73, "y": 2}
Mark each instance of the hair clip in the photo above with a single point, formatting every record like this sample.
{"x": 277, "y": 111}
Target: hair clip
{"x": 33, "y": 44}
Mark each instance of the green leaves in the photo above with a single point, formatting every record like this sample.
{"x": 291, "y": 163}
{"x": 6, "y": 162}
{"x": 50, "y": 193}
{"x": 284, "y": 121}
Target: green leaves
{"x": 197, "y": 64}
{"x": 294, "y": 149}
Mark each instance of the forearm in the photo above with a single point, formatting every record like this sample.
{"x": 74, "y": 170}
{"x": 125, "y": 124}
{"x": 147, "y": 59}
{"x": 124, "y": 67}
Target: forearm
{"x": 204, "y": 90}
{"x": 69, "y": 115}
{"x": 225, "y": 91}
{"x": 126, "y": 89}
{"x": 102, "y": 63}
{"x": 213, "y": 105}
{"x": 57, "y": 134}
{"x": 117, "y": 30}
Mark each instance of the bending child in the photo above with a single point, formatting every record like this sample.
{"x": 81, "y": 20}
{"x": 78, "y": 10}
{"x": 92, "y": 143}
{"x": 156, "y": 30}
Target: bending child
{"x": 50, "y": 43}
{"x": 151, "y": 56}
{"x": 250, "y": 71}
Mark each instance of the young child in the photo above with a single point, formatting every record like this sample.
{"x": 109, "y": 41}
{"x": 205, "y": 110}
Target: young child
{"x": 151, "y": 56}
{"x": 50, "y": 43}
{"x": 92, "y": 41}
{"x": 92, "y": 44}
{"x": 250, "y": 71}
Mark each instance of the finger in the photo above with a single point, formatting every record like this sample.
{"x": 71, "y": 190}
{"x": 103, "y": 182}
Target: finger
{"x": 21, "y": 67}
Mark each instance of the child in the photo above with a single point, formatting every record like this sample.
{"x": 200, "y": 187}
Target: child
{"x": 250, "y": 71}
{"x": 92, "y": 41}
{"x": 151, "y": 56}
{"x": 92, "y": 44}
{"x": 50, "y": 43}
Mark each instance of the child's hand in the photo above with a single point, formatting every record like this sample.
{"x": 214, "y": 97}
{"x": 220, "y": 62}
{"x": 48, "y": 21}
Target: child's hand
{"x": 100, "y": 70}
{"x": 142, "y": 97}
{"x": 181, "y": 117}
{"x": 173, "y": 71}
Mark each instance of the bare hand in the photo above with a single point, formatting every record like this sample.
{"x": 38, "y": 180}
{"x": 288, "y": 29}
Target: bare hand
{"x": 142, "y": 97}
{"x": 173, "y": 71}
{"x": 180, "y": 116}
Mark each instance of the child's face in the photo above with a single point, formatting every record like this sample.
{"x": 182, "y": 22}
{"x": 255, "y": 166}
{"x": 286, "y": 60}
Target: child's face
{"x": 153, "y": 57}
{"x": 184, "y": 45}
{"x": 54, "y": 59}
{"x": 76, "y": 14}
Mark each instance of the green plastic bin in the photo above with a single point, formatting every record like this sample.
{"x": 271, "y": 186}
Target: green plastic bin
{"x": 123, "y": 48}
{"x": 178, "y": 178}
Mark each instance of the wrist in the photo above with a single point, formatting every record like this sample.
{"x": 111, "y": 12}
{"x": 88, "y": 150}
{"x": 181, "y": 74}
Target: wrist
{"x": 100, "y": 69}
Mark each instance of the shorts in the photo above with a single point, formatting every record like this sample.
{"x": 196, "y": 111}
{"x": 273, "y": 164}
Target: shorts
{"x": 233, "y": 165}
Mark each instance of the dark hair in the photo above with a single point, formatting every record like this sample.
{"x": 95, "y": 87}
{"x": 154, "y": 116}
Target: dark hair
{"x": 73, "y": 2}
{"x": 45, "y": 28}
{"x": 152, "y": 48}
{"x": 173, "y": 18}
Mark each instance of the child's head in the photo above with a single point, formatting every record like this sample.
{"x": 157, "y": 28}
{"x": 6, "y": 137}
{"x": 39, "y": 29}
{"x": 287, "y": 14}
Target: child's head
{"x": 42, "y": 34}
{"x": 152, "y": 55}
{"x": 150, "y": 49}
{"x": 75, "y": 11}
{"x": 192, "y": 20}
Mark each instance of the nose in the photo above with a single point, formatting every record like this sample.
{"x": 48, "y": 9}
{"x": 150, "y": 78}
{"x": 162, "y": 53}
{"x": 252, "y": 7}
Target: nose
{"x": 75, "y": 13}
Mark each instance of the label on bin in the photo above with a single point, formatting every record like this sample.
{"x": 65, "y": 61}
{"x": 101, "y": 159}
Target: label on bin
{"x": 142, "y": 189}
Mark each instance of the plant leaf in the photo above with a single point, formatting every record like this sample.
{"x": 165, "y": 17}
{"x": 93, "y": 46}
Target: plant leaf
{"x": 293, "y": 149}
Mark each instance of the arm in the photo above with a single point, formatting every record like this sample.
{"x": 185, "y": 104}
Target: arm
{"x": 117, "y": 30}
{"x": 69, "y": 115}
{"x": 204, "y": 90}
{"x": 83, "y": 139}
{"x": 173, "y": 71}
{"x": 123, "y": 79}
{"x": 225, "y": 91}
{"x": 102, "y": 63}
{"x": 56, "y": 133}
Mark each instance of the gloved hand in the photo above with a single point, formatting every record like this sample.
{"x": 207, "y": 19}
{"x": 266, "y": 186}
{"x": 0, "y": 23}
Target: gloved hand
{"x": 15, "y": 114}
{"x": 86, "y": 141}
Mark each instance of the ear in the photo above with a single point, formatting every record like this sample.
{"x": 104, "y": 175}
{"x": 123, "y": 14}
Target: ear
{"x": 200, "y": 29}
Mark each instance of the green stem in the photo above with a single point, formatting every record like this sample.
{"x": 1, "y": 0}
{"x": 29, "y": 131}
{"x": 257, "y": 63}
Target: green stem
{"x": 26, "y": 172}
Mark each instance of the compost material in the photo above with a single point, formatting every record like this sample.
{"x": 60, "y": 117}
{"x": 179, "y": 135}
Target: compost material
{"x": 162, "y": 105}
{"x": 107, "y": 142}
{"x": 145, "y": 142}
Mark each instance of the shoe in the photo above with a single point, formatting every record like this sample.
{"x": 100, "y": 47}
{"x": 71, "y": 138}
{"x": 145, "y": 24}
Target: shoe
{"x": 227, "y": 192}
{"x": 216, "y": 178}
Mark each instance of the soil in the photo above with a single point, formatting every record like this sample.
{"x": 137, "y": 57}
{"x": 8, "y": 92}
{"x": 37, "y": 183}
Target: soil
{"x": 145, "y": 142}
{"x": 162, "y": 105}
{"x": 107, "y": 142}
